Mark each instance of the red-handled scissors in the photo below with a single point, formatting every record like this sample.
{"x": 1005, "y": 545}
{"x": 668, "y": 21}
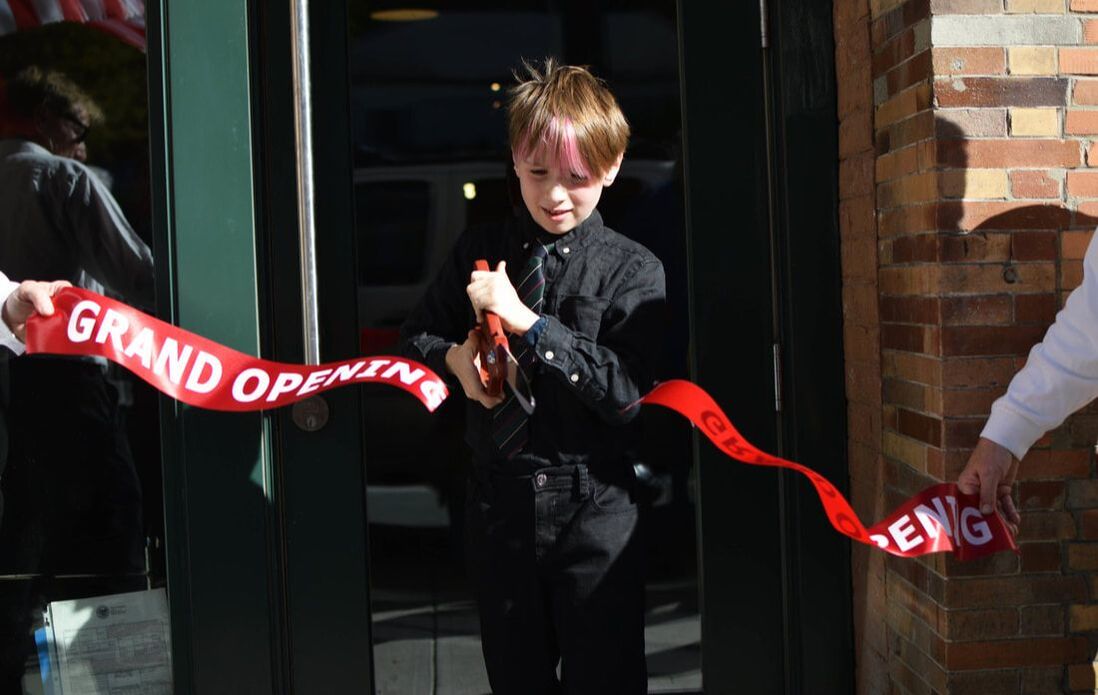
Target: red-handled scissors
{"x": 497, "y": 365}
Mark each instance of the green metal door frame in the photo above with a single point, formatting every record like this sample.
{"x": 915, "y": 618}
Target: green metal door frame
{"x": 217, "y": 466}
{"x": 265, "y": 523}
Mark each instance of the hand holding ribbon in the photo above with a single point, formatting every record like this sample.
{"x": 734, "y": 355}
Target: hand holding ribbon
{"x": 200, "y": 372}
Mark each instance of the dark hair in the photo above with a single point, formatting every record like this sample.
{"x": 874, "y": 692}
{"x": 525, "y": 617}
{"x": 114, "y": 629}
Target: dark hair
{"x": 34, "y": 88}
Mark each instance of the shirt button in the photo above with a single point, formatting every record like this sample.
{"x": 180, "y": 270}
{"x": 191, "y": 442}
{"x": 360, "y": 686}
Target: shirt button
{"x": 574, "y": 378}
{"x": 548, "y": 354}
{"x": 526, "y": 245}
{"x": 541, "y": 479}
{"x": 566, "y": 250}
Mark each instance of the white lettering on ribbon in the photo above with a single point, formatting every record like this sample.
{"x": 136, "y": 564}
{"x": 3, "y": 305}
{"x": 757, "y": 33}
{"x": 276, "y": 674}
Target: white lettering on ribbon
{"x": 81, "y": 326}
{"x": 195, "y": 381}
{"x": 262, "y": 381}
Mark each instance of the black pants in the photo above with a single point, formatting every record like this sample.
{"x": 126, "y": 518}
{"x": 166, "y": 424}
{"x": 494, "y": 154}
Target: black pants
{"x": 72, "y": 499}
{"x": 557, "y": 564}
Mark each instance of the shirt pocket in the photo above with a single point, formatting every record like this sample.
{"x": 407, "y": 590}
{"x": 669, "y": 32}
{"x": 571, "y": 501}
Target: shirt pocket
{"x": 582, "y": 313}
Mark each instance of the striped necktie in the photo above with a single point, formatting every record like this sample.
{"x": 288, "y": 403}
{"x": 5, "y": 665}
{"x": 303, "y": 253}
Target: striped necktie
{"x": 510, "y": 423}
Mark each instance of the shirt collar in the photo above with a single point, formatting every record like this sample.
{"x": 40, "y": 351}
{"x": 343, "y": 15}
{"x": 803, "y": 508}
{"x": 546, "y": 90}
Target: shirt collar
{"x": 576, "y": 238}
{"x": 12, "y": 146}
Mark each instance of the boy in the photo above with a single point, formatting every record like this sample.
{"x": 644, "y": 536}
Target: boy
{"x": 551, "y": 527}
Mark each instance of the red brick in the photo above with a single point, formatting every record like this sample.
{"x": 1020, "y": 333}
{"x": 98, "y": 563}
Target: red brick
{"x": 977, "y": 373}
{"x": 906, "y": 132}
{"x": 1043, "y": 494}
{"x": 1082, "y": 184}
{"x": 907, "y": 337}
{"x": 1081, "y": 122}
{"x": 982, "y": 682}
{"x": 969, "y": 61}
{"x": 976, "y": 310}
{"x": 979, "y": 624}
{"x": 894, "y": 51}
{"x": 1092, "y": 154}
{"x": 1079, "y": 61}
{"x": 967, "y": 402}
{"x": 983, "y": 278}
{"x": 908, "y": 73}
{"x": 856, "y": 133}
{"x": 1000, "y": 91}
{"x": 912, "y": 218}
{"x": 1033, "y": 184}
{"x": 1041, "y": 557}
{"x": 958, "y": 124}
{"x": 897, "y": 163}
{"x": 972, "y": 215}
{"x": 1084, "y": 5}
{"x": 1086, "y": 92}
{"x": 1090, "y": 31}
{"x": 1074, "y": 244}
{"x": 919, "y": 426}
{"x": 1001, "y": 592}
{"x": 1071, "y": 274}
{"x": 1003, "y": 154}
{"x": 1035, "y": 308}
{"x": 1041, "y": 680}
{"x": 914, "y": 249}
{"x": 1042, "y": 464}
{"x": 857, "y": 217}
{"x": 909, "y": 309}
{"x": 974, "y": 247}
{"x": 1089, "y": 525}
{"x": 856, "y": 173}
{"x": 989, "y": 340}
{"x": 1034, "y": 246}
{"x": 1081, "y": 677}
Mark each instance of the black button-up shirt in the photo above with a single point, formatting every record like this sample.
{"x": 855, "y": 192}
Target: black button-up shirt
{"x": 605, "y": 314}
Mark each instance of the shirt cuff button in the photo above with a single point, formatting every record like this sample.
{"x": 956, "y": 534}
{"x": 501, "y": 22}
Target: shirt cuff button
{"x": 574, "y": 378}
{"x": 548, "y": 354}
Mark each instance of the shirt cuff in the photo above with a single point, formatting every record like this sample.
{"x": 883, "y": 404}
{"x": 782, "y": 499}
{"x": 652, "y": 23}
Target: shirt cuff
{"x": 531, "y": 335}
{"x": 7, "y": 338}
{"x": 1011, "y": 430}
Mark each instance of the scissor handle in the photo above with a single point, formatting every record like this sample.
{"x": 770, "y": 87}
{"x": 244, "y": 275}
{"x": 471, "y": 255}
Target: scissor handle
{"x": 493, "y": 347}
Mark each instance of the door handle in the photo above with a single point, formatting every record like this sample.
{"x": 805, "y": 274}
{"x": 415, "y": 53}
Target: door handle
{"x": 310, "y": 414}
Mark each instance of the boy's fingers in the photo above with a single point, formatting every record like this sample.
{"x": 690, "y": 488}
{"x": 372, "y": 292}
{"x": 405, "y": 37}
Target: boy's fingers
{"x": 502, "y": 267}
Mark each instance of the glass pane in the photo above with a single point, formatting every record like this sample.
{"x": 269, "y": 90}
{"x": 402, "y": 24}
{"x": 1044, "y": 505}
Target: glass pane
{"x": 82, "y": 582}
{"x": 427, "y": 94}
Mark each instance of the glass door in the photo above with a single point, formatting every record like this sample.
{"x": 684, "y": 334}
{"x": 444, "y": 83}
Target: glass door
{"x": 427, "y": 90}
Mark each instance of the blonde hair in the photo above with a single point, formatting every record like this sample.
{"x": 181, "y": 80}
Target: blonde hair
{"x": 565, "y": 112}
{"x": 34, "y": 88}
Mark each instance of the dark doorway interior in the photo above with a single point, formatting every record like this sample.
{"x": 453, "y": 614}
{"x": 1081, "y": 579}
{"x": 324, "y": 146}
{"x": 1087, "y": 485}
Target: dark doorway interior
{"x": 430, "y": 156}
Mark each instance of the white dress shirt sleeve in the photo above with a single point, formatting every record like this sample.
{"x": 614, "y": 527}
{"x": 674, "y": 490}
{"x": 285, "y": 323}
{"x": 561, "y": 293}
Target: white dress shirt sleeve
{"x": 7, "y": 338}
{"x": 1060, "y": 375}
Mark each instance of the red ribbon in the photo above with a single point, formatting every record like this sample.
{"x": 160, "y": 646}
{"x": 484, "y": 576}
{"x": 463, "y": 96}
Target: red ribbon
{"x": 202, "y": 373}
{"x": 937, "y": 519}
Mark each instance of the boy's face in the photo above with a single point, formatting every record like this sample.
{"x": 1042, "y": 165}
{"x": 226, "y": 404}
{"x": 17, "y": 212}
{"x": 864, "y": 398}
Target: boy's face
{"x": 558, "y": 199}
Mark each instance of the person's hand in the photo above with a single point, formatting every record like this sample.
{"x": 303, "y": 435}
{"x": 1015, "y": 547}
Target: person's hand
{"x": 29, "y": 298}
{"x": 490, "y": 290}
{"x": 990, "y": 473}
{"x": 463, "y": 361}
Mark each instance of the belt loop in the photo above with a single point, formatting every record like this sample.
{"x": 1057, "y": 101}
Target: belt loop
{"x": 583, "y": 484}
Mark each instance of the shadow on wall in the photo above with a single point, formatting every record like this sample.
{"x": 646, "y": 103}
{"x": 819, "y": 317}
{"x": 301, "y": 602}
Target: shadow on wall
{"x": 1009, "y": 248}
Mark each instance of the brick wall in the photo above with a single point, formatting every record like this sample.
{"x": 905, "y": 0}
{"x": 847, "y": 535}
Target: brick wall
{"x": 980, "y": 120}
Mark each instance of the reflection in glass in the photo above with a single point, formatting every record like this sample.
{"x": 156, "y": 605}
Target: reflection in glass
{"x": 81, "y": 549}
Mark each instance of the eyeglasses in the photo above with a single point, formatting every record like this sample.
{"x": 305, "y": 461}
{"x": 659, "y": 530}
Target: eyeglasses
{"x": 80, "y": 128}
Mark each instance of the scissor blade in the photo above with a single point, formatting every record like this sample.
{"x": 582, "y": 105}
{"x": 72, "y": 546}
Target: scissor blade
{"x": 519, "y": 384}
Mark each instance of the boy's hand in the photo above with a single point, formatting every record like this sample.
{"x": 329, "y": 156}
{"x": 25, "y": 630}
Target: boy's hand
{"x": 463, "y": 361}
{"x": 490, "y": 290}
{"x": 29, "y": 298}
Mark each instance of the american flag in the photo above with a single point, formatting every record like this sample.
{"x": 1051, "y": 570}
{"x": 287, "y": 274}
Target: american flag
{"x": 123, "y": 19}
